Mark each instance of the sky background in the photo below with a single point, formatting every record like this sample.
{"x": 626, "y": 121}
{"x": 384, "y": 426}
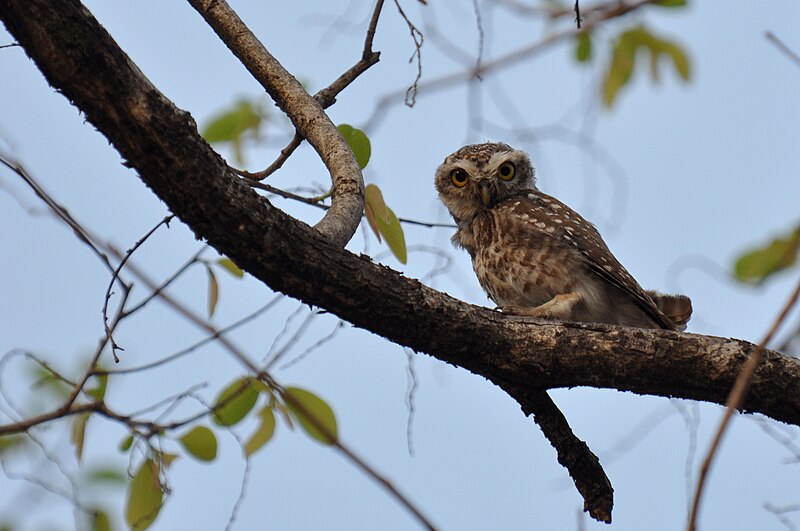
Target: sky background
{"x": 680, "y": 178}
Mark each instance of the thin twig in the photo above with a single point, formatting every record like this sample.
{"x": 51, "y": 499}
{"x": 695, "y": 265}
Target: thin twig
{"x": 317, "y": 344}
{"x": 479, "y": 23}
{"x": 578, "y": 13}
{"x": 782, "y": 47}
{"x": 126, "y": 287}
{"x": 327, "y": 96}
{"x": 314, "y": 202}
{"x": 191, "y": 348}
{"x": 419, "y": 39}
{"x": 603, "y": 13}
{"x": 57, "y": 209}
{"x": 373, "y": 26}
{"x": 735, "y": 402}
{"x": 193, "y": 260}
{"x": 239, "y": 355}
{"x": 336, "y": 443}
{"x": 9, "y": 45}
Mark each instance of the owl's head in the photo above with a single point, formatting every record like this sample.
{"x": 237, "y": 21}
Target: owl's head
{"x": 478, "y": 176}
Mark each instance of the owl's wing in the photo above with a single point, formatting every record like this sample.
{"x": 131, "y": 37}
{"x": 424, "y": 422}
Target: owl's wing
{"x": 558, "y": 220}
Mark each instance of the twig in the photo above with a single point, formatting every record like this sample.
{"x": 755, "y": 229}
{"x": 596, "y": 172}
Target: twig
{"x": 314, "y": 202}
{"x": 327, "y": 96}
{"x": 735, "y": 401}
{"x": 239, "y": 355}
{"x": 57, "y": 209}
{"x": 323, "y": 429}
{"x": 191, "y": 348}
{"x": 419, "y": 39}
{"x": 126, "y": 287}
{"x": 83, "y": 235}
{"x": 193, "y": 260}
{"x": 479, "y": 23}
{"x": 373, "y": 25}
{"x": 341, "y": 221}
{"x": 9, "y": 45}
{"x": 317, "y": 344}
{"x": 578, "y": 13}
{"x": 780, "y": 514}
{"x": 782, "y": 47}
{"x": 608, "y": 11}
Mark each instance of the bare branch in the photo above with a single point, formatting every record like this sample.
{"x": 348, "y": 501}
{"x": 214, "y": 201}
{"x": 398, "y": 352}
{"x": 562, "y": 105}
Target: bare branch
{"x": 115, "y": 276}
{"x": 58, "y": 210}
{"x": 791, "y": 54}
{"x": 315, "y": 202}
{"x": 419, "y": 39}
{"x": 341, "y": 221}
{"x": 609, "y": 11}
{"x": 327, "y": 96}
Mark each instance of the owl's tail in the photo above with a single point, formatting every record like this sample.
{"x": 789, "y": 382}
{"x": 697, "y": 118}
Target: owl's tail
{"x": 677, "y": 307}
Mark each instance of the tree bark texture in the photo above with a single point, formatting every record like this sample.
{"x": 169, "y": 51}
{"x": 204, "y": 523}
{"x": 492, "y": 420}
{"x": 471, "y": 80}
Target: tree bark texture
{"x": 522, "y": 356}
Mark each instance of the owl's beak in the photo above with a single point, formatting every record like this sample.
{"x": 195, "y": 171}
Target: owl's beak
{"x": 486, "y": 195}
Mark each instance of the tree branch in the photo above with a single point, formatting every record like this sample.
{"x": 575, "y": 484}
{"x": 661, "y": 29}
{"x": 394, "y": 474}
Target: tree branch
{"x": 341, "y": 221}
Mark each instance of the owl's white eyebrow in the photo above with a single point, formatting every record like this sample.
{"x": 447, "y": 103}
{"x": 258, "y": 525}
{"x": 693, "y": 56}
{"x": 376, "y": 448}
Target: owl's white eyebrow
{"x": 470, "y": 167}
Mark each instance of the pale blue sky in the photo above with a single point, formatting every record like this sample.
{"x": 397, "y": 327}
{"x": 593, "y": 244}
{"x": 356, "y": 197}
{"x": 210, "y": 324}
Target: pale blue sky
{"x": 704, "y": 169}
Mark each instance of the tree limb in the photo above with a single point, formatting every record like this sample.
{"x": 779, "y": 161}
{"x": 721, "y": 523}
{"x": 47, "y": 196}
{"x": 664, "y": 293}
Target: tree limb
{"x": 341, "y": 220}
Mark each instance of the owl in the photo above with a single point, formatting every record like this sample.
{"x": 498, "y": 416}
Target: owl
{"x": 534, "y": 255}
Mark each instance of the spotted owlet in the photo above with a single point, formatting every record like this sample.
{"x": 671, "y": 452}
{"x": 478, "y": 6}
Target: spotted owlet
{"x": 534, "y": 255}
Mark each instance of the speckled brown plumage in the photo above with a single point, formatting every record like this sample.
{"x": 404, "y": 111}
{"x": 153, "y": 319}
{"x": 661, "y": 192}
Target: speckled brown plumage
{"x": 534, "y": 255}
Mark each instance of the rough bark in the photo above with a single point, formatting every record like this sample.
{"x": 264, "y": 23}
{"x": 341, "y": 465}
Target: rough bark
{"x": 522, "y": 356}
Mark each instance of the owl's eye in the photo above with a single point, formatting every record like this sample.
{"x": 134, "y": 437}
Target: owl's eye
{"x": 459, "y": 177}
{"x": 507, "y": 171}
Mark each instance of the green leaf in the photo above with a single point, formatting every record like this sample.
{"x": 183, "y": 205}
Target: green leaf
{"x": 145, "y": 496}
{"x": 78, "y": 433}
{"x": 261, "y": 387}
{"x": 125, "y": 444}
{"x": 583, "y": 47}
{"x": 263, "y": 434}
{"x": 100, "y": 521}
{"x": 304, "y": 404}
{"x": 166, "y": 458}
{"x": 679, "y": 59}
{"x": 374, "y": 208}
{"x": 384, "y": 222}
{"x": 757, "y": 264}
{"x": 213, "y": 292}
{"x": 670, "y": 3}
{"x": 358, "y": 142}
{"x": 393, "y": 234}
{"x": 233, "y": 125}
{"x": 48, "y": 379}
{"x": 235, "y": 402}
{"x": 99, "y": 392}
{"x": 11, "y": 442}
{"x": 623, "y": 60}
{"x": 106, "y": 475}
{"x": 201, "y": 443}
{"x": 231, "y": 267}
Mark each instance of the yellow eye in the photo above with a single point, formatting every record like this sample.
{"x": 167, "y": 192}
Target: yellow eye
{"x": 507, "y": 171}
{"x": 459, "y": 177}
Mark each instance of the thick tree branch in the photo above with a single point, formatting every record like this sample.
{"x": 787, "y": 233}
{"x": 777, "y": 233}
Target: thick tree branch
{"x": 520, "y": 355}
{"x": 341, "y": 221}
